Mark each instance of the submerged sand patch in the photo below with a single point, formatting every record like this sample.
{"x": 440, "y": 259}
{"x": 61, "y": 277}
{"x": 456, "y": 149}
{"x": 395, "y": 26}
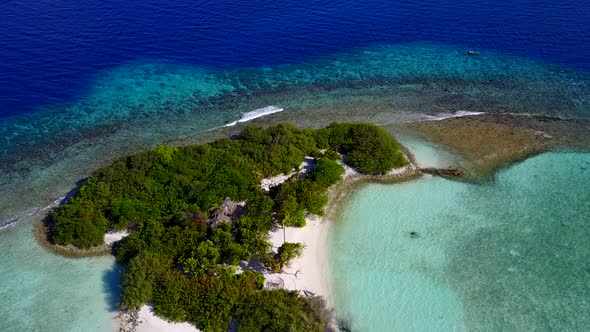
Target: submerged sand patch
{"x": 490, "y": 141}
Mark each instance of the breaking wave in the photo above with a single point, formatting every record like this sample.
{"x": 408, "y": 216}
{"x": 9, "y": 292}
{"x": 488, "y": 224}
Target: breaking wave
{"x": 12, "y": 220}
{"x": 256, "y": 114}
{"x": 456, "y": 114}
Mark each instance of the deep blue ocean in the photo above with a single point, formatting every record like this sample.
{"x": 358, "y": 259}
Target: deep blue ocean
{"x": 84, "y": 82}
{"x": 50, "y": 51}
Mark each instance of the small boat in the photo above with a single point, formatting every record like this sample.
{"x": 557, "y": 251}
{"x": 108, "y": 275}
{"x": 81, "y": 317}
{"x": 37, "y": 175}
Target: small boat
{"x": 472, "y": 53}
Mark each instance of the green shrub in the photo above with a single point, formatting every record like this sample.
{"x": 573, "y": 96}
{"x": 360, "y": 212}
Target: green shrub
{"x": 332, "y": 155}
{"x": 179, "y": 261}
{"x": 139, "y": 280}
{"x": 282, "y": 310}
{"x": 313, "y": 197}
{"x": 80, "y": 223}
{"x": 286, "y": 252}
{"x": 372, "y": 150}
{"x": 327, "y": 172}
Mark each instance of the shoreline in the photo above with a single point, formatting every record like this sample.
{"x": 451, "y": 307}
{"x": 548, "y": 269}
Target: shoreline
{"x": 149, "y": 322}
{"x": 313, "y": 235}
{"x": 41, "y": 234}
{"x": 308, "y": 274}
{"x": 489, "y": 142}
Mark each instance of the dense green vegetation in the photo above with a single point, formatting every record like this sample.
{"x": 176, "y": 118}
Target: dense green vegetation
{"x": 278, "y": 311}
{"x": 286, "y": 252}
{"x": 368, "y": 148}
{"x": 185, "y": 244}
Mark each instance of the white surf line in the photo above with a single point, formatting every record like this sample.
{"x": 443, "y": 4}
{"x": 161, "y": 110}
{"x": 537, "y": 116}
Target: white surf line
{"x": 257, "y": 113}
{"x": 456, "y": 114}
{"x": 12, "y": 220}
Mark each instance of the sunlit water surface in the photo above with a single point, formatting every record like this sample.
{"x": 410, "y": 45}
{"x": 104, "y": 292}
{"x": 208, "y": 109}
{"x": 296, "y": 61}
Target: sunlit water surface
{"x": 510, "y": 254}
{"x": 44, "y": 292}
{"x": 83, "y": 82}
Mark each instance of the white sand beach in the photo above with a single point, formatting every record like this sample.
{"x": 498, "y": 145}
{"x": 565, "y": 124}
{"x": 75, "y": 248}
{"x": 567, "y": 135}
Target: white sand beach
{"x": 149, "y": 322}
{"x": 110, "y": 238}
{"x": 306, "y": 273}
{"x": 307, "y": 165}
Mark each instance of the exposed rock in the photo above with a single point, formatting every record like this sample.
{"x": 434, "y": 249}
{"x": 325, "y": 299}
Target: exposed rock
{"x": 445, "y": 172}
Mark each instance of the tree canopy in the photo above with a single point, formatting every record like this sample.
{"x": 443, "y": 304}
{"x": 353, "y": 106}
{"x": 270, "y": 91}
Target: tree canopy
{"x": 278, "y": 311}
{"x": 181, "y": 261}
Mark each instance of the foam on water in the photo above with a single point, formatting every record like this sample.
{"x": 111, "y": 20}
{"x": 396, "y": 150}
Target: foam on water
{"x": 456, "y": 114}
{"x": 248, "y": 116}
{"x": 12, "y": 220}
{"x": 150, "y": 93}
{"x": 8, "y": 222}
{"x": 495, "y": 256}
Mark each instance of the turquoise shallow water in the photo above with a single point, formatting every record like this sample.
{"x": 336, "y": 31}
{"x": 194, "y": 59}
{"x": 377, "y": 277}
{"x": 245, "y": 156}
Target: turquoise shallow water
{"x": 144, "y": 103}
{"x": 44, "y": 292}
{"x": 510, "y": 254}
{"x": 428, "y": 154}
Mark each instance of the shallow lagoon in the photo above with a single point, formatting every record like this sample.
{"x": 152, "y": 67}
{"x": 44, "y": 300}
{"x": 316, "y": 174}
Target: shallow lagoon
{"x": 506, "y": 254}
{"x": 509, "y": 254}
{"x": 45, "y": 292}
{"x": 115, "y": 92}
{"x": 140, "y": 105}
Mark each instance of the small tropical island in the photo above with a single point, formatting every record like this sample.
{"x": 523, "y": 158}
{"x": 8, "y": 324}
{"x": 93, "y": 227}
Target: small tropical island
{"x": 197, "y": 220}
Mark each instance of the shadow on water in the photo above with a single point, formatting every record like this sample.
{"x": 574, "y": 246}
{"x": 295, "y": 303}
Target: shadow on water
{"x": 111, "y": 280}
{"x": 344, "y": 324}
